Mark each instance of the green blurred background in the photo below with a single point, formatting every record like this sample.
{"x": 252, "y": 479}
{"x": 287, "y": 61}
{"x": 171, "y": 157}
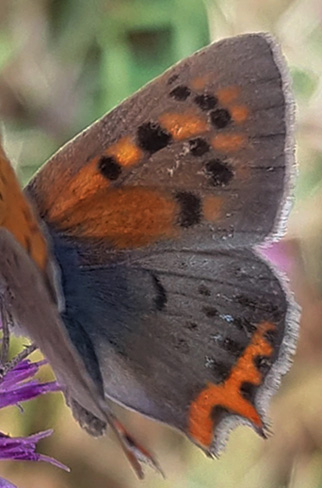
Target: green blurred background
{"x": 63, "y": 63}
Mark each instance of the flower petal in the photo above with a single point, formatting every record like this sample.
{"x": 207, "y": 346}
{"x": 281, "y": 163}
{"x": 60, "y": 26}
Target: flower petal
{"x": 6, "y": 484}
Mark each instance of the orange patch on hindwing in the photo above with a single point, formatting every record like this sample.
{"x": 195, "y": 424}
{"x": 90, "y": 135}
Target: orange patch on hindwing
{"x": 183, "y": 125}
{"x": 228, "y": 395}
{"x": 16, "y": 215}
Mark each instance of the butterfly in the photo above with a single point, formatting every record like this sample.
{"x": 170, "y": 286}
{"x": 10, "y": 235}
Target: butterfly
{"x": 131, "y": 259}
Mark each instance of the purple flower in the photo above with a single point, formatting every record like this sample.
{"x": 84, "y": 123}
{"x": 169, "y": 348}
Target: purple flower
{"x": 23, "y": 448}
{"x": 17, "y": 384}
{"x": 15, "y": 388}
{"x": 6, "y": 484}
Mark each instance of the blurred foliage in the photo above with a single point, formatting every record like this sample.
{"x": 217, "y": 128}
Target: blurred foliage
{"x": 63, "y": 63}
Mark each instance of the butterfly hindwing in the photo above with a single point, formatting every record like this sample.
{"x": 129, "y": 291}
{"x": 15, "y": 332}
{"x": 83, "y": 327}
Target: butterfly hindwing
{"x": 202, "y": 151}
{"x": 185, "y": 338}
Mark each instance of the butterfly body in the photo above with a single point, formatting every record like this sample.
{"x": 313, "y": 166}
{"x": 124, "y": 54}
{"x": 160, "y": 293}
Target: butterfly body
{"x": 151, "y": 218}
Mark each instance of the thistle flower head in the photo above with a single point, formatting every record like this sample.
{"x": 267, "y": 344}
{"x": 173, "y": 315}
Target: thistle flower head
{"x": 18, "y": 384}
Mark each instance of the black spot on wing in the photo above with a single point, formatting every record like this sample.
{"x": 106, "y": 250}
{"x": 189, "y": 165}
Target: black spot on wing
{"x": 198, "y": 146}
{"x": 152, "y": 138}
{"x": 192, "y": 325}
{"x": 236, "y": 348}
{"x": 172, "y": 79}
{"x": 248, "y": 391}
{"x": 218, "y": 413}
{"x": 210, "y": 312}
{"x": 190, "y": 211}
{"x": 109, "y": 168}
{"x": 219, "y": 369}
{"x": 181, "y": 345}
{"x": 262, "y": 363}
{"x": 180, "y": 93}
{"x": 245, "y": 301}
{"x": 161, "y": 295}
{"x": 206, "y": 102}
{"x": 219, "y": 172}
{"x": 204, "y": 290}
{"x": 220, "y": 118}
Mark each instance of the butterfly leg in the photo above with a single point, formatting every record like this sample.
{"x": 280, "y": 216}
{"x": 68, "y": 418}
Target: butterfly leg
{"x": 132, "y": 449}
{"x": 136, "y": 454}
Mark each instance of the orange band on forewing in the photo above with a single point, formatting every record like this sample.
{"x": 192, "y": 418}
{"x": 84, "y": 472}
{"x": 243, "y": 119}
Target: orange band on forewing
{"x": 127, "y": 217}
{"x": 227, "y": 143}
{"x": 86, "y": 183}
{"x": 228, "y": 395}
{"x": 89, "y": 181}
{"x": 125, "y": 151}
{"x": 183, "y": 125}
{"x": 17, "y": 216}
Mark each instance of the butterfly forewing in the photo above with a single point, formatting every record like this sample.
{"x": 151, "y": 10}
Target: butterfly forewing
{"x": 198, "y": 154}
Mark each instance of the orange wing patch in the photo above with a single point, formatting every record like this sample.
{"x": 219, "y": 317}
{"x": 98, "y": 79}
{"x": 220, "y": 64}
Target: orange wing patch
{"x": 86, "y": 183}
{"x": 125, "y": 151}
{"x": 183, "y": 125}
{"x": 17, "y": 216}
{"x": 239, "y": 113}
{"x": 200, "y": 82}
{"x": 228, "y": 143}
{"x": 228, "y": 395}
{"x": 228, "y": 95}
{"x": 212, "y": 208}
{"x": 128, "y": 217}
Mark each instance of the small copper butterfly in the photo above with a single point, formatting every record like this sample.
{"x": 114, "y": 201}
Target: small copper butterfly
{"x": 131, "y": 259}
